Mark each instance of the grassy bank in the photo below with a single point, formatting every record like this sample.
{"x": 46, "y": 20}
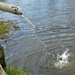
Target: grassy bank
{"x": 15, "y": 71}
{"x": 5, "y": 27}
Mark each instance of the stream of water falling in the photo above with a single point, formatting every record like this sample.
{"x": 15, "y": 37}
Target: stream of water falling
{"x": 35, "y": 34}
{"x": 33, "y": 29}
{"x": 64, "y": 57}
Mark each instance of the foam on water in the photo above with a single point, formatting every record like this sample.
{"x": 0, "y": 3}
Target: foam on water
{"x": 62, "y": 60}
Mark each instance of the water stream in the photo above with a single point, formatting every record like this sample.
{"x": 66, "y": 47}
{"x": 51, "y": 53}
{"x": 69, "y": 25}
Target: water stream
{"x": 62, "y": 60}
{"x": 33, "y": 30}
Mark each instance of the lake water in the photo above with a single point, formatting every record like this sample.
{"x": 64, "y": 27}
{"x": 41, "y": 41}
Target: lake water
{"x": 36, "y": 49}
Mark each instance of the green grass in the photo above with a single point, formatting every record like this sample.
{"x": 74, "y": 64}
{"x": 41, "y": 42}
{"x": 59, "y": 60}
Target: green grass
{"x": 15, "y": 71}
{"x": 3, "y": 28}
{"x": 6, "y": 27}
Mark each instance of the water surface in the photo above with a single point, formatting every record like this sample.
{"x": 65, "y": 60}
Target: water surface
{"x": 54, "y": 22}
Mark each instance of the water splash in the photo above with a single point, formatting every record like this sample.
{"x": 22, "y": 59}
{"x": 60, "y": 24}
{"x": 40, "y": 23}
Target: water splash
{"x": 62, "y": 60}
{"x": 33, "y": 29}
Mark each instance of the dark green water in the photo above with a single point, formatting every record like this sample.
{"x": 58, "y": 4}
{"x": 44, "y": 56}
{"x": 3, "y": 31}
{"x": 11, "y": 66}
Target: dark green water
{"x": 54, "y": 22}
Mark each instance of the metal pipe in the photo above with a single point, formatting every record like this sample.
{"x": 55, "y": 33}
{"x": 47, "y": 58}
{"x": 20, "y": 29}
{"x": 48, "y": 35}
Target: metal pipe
{"x": 10, "y": 8}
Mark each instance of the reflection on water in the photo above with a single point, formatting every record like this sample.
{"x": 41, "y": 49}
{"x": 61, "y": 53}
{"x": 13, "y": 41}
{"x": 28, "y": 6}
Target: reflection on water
{"x": 54, "y": 22}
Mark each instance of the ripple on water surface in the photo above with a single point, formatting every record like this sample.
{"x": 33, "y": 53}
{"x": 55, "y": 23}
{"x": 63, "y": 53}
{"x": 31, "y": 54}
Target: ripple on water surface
{"x": 55, "y": 26}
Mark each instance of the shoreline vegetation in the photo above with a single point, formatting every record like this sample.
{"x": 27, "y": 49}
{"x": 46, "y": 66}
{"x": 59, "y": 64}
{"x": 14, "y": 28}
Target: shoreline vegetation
{"x": 5, "y": 28}
{"x": 15, "y": 71}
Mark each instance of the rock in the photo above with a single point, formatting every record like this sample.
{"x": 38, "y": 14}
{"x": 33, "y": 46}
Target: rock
{"x": 2, "y": 72}
{"x": 2, "y": 57}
